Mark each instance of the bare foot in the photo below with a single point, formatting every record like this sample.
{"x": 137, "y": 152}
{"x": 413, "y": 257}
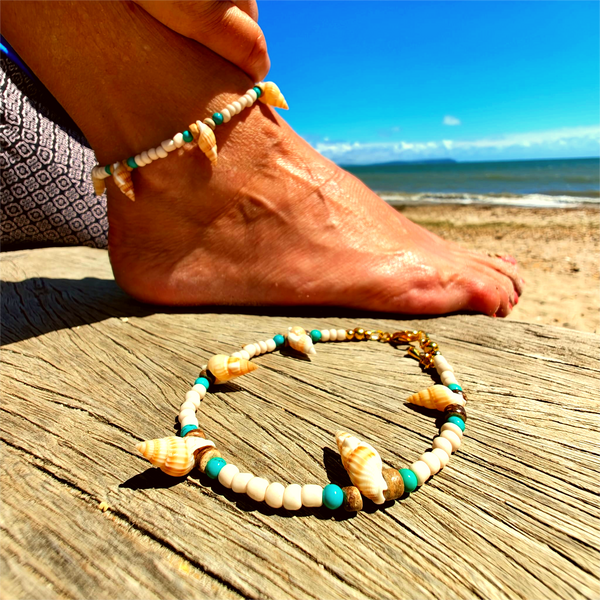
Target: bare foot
{"x": 273, "y": 222}
{"x": 276, "y": 223}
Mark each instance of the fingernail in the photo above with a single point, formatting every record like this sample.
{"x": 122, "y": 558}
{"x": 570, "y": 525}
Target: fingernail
{"x": 494, "y": 315}
{"x": 509, "y": 259}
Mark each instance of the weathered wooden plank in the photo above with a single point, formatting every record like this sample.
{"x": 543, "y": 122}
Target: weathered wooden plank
{"x": 87, "y": 372}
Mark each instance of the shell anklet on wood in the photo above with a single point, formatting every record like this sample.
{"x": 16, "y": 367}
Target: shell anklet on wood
{"x": 178, "y": 455}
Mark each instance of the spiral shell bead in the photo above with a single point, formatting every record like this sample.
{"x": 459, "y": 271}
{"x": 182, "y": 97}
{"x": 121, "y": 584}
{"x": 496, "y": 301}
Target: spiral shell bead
{"x": 173, "y": 455}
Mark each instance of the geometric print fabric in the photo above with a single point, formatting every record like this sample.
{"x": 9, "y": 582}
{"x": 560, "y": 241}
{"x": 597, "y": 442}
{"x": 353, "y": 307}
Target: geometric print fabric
{"x": 47, "y": 197}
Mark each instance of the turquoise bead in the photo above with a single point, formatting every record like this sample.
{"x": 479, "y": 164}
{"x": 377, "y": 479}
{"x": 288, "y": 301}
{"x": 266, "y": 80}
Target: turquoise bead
{"x": 455, "y": 387}
{"x": 131, "y": 162}
{"x": 187, "y": 136}
{"x": 410, "y": 480}
{"x": 333, "y": 497}
{"x": 279, "y": 340}
{"x": 217, "y": 118}
{"x": 107, "y": 169}
{"x": 202, "y": 381}
{"x": 315, "y": 336}
{"x": 257, "y": 90}
{"x": 214, "y": 466}
{"x": 457, "y": 421}
{"x": 185, "y": 430}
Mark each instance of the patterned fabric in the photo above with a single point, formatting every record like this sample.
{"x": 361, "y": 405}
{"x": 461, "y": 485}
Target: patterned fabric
{"x": 47, "y": 197}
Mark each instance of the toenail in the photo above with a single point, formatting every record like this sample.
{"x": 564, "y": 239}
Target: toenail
{"x": 507, "y": 258}
{"x": 516, "y": 298}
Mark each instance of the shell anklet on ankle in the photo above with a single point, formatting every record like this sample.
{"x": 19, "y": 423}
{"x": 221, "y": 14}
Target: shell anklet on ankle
{"x": 178, "y": 455}
{"x": 200, "y": 133}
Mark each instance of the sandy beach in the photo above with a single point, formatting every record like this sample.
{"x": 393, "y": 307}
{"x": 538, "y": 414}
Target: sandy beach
{"x": 558, "y": 251}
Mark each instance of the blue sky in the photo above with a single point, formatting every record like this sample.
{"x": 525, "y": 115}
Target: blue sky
{"x": 379, "y": 81}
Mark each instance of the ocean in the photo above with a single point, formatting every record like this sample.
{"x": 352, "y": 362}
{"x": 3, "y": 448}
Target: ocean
{"x": 557, "y": 183}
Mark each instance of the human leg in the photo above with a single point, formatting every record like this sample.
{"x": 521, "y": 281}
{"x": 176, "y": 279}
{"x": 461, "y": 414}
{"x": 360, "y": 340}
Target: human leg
{"x": 273, "y": 222}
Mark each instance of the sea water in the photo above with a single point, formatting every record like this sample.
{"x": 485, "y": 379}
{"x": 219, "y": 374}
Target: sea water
{"x": 521, "y": 183}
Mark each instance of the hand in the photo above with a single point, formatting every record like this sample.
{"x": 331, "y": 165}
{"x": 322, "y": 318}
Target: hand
{"x": 227, "y": 28}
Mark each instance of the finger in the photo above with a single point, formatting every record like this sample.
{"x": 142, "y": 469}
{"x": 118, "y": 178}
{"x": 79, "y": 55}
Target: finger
{"x": 249, "y": 7}
{"x": 238, "y": 38}
{"x": 220, "y": 26}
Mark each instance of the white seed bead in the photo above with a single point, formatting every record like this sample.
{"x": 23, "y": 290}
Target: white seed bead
{"x": 187, "y": 404}
{"x": 274, "y": 495}
{"x": 231, "y": 109}
{"x": 153, "y": 154}
{"x": 333, "y": 335}
{"x": 199, "y": 389}
{"x": 240, "y": 481}
{"x": 193, "y": 396}
{"x": 226, "y": 475}
{"x": 443, "y": 443}
{"x": 250, "y": 349}
{"x": 271, "y": 345}
{"x": 453, "y": 427}
{"x": 243, "y": 100}
{"x": 257, "y": 488}
{"x": 341, "y": 335}
{"x": 250, "y": 100}
{"x": 245, "y": 354}
{"x": 238, "y": 106}
{"x": 203, "y": 368}
{"x": 178, "y": 140}
{"x": 226, "y": 115}
{"x": 187, "y": 412}
{"x": 441, "y": 364}
{"x": 421, "y": 470}
{"x": 168, "y": 145}
{"x": 138, "y": 160}
{"x": 432, "y": 461}
{"x": 208, "y": 121}
{"x": 161, "y": 152}
{"x": 312, "y": 495}
{"x": 292, "y": 497}
{"x": 252, "y": 94}
{"x": 237, "y": 355}
{"x": 189, "y": 420}
{"x": 324, "y": 335}
{"x": 263, "y": 347}
{"x": 146, "y": 157}
{"x": 448, "y": 378}
{"x": 442, "y": 455}
{"x": 452, "y": 438}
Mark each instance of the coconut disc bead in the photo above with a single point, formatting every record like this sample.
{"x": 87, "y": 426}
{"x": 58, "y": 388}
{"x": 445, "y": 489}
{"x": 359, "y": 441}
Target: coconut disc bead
{"x": 203, "y": 455}
{"x": 194, "y": 432}
{"x": 455, "y": 410}
{"x": 353, "y": 501}
{"x": 395, "y": 484}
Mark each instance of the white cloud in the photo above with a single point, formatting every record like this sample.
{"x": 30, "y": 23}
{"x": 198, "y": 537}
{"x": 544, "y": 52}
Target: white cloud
{"x": 554, "y": 143}
{"x": 450, "y": 120}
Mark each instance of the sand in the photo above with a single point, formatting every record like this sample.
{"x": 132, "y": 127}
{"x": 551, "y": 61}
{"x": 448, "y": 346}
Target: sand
{"x": 558, "y": 251}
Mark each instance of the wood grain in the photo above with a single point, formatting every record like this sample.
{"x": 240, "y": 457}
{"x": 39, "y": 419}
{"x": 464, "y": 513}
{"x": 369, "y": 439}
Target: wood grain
{"x": 87, "y": 372}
